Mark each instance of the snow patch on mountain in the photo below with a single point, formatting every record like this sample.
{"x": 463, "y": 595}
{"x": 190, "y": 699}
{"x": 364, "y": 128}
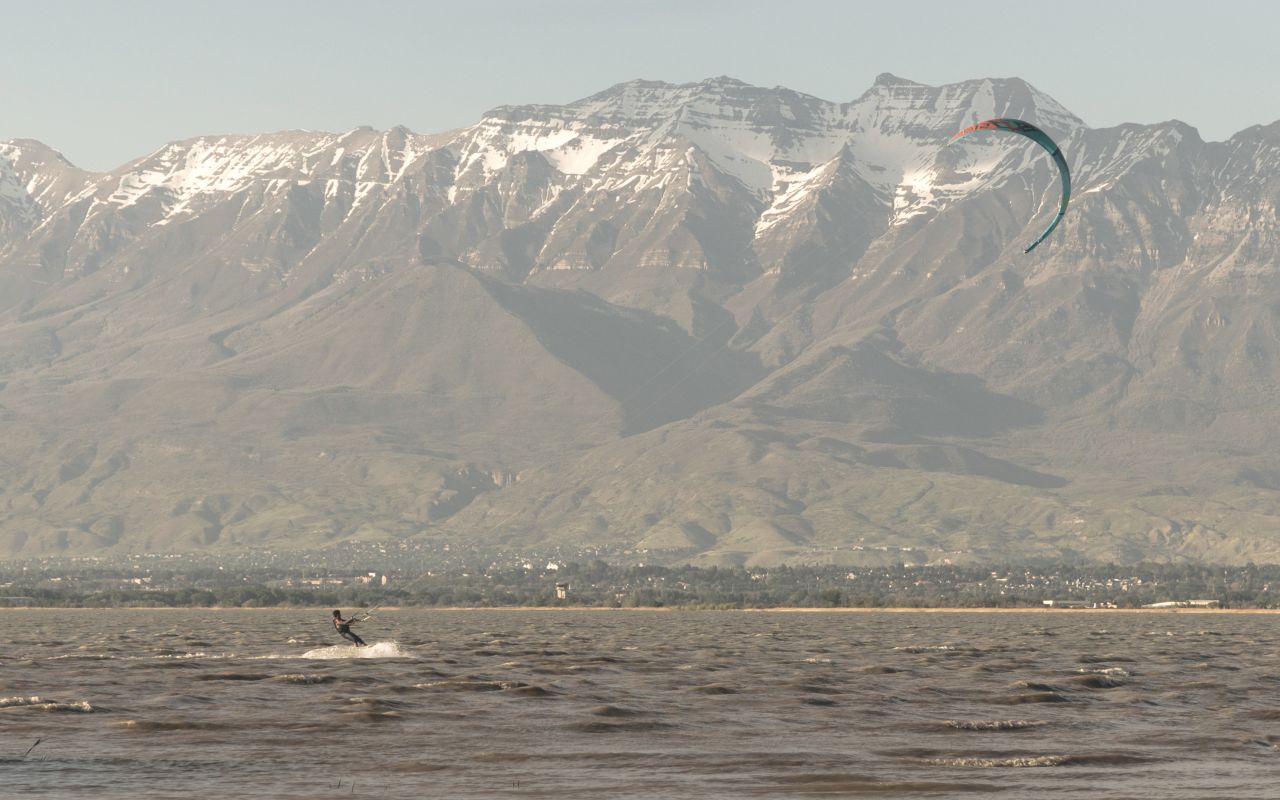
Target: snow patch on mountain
{"x": 914, "y": 195}
{"x": 36, "y": 178}
{"x": 11, "y": 189}
{"x": 182, "y": 175}
{"x": 580, "y": 153}
{"x": 204, "y": 166}
{"x": 790, "y": 188}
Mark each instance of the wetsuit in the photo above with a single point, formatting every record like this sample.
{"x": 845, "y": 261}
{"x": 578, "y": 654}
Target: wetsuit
{"x": 344, "y": 630}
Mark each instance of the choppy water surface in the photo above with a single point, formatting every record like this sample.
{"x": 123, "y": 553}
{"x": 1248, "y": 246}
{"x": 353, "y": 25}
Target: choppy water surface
{"x": 457, "y": 704}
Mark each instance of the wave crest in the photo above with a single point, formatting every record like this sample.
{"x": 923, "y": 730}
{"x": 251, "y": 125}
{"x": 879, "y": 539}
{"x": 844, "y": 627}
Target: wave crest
{"x": 37, "y": 703}
{"x": 992, "y": 724}
{"x": 375, "y": 650}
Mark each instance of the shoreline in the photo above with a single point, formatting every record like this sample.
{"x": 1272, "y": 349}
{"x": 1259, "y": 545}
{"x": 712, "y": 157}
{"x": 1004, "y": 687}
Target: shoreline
{"x": 680, "y": 609}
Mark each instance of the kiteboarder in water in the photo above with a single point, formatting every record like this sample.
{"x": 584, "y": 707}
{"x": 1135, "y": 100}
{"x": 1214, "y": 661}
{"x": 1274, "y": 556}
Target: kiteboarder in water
{"x": 343, "y": 627}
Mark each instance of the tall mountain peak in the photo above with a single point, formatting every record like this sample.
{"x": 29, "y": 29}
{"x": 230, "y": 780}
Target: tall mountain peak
{"x": 954, "y": 105}
{"x": 889, "y": 79}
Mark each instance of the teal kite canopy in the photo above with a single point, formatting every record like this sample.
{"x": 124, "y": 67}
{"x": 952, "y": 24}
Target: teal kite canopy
{"x": 1041, "y": 138}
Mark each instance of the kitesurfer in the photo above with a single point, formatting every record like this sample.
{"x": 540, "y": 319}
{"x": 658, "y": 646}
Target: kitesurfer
{"x": 343, "y": 626}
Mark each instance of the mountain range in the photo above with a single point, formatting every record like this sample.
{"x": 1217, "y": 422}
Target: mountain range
{"x": 708, "y": 322}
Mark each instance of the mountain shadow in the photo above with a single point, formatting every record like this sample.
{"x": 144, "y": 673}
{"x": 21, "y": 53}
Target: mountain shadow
{"x": 863, "y": 385}
{"x": 656, "y": 370}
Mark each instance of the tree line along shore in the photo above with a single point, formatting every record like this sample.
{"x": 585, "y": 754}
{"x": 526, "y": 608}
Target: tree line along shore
{"x": 596, "y": 584}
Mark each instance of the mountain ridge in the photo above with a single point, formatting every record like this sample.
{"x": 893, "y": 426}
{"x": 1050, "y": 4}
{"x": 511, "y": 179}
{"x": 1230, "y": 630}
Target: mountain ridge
{"x": 293, "y": 339}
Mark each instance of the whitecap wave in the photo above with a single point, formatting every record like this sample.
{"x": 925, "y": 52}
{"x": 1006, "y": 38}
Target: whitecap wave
{"x": 303, "y": 678}
{"x": 37, "y": 703}
{"x": 375, "y": 650}
{"x": 993, "y": 724}
{"x": 1117, "y": 671}
{"x": 6, "y": 702}
{"x": 1020, "y": 761}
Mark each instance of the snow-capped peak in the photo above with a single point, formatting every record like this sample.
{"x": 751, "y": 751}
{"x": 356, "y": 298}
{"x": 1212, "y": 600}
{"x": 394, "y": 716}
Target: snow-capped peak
{"x": 182, "y": 172}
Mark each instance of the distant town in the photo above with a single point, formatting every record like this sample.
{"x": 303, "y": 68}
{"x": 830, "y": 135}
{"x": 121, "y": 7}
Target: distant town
{"x": 414, "y": 574}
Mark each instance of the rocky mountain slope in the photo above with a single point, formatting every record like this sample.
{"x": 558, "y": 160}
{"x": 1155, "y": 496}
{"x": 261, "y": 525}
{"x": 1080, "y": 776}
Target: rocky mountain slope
{"x": 709, "y": 322}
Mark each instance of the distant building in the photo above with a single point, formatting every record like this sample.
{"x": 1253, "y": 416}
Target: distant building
{"x": 1185, "y": 604}
{"x": 562, "y": 591}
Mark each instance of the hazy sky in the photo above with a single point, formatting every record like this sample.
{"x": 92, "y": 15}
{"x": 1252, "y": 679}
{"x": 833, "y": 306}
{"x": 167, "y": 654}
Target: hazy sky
{"x": 106, "y": 82}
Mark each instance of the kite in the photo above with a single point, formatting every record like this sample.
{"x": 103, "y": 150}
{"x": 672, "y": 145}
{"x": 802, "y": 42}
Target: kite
{"x": 1041, "y": 138}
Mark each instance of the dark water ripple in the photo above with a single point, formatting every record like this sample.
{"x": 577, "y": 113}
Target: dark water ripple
{"x": 471, "y": 704}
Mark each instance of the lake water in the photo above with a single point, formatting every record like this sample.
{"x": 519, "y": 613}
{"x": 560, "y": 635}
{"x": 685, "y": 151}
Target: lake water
{"x": 619, "y": 704}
